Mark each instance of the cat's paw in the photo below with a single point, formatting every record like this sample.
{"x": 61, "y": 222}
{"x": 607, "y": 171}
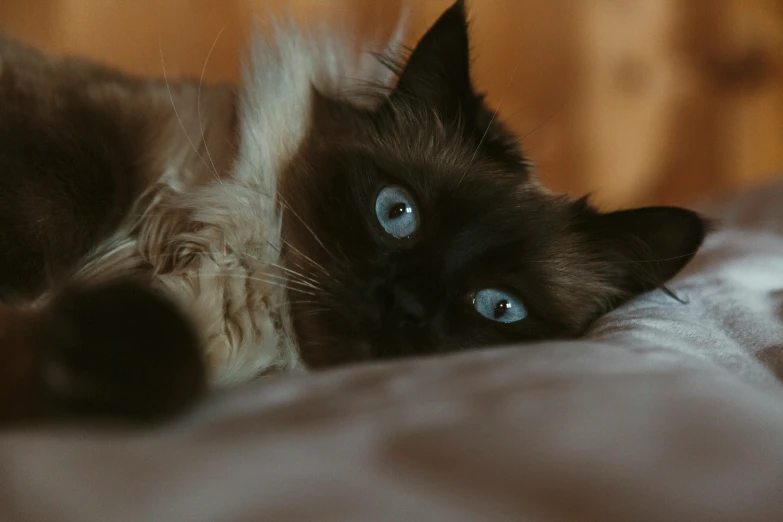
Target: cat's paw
{"x": 117, "y": 350}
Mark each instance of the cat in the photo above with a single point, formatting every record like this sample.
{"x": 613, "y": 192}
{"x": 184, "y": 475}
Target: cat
{"x": 302, "y": 222}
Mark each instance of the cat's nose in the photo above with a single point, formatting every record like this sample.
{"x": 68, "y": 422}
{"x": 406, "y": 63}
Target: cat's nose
{"x": 408, "y": 309}
{"x": 401, "y": 307}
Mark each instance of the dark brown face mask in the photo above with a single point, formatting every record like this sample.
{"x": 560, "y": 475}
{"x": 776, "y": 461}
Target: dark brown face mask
{"x": 420, "y": 225}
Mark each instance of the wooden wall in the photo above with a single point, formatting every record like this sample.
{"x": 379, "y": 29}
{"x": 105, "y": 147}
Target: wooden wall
{"x": 636, "y": 101}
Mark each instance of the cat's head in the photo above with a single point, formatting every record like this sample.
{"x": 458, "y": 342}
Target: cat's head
{"x": 415, "y": 227}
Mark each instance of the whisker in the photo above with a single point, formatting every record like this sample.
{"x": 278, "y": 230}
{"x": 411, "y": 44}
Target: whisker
{"x": 316, "y": 265}
{"x": 494, "y": 115}
{"x": 323, "y": 270}
{"x": 658, "y": 260}
{"x": 262, "y": 280}
{"x": 310, "y": 260}
{"x": 295, "y": 303}
{"x": 292, "y": 281}
{"x": 314, "y": 312}
{"x": 551, "y": 116}
{"x": 198, "y": 99}
{"x": 285, "y": 205}
{"x": 295, "y": 273}
{"x": 309, "y": 229}
{"x": 626, "y": 262}
{"x": 176, "y": 112}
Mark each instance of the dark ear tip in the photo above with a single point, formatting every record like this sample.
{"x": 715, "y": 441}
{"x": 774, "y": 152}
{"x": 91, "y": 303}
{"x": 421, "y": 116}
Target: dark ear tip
{"x": 690, "y": 220}
{"x": 690, "y": 227}
{"x": 710, "y": 224}
{"x": 459, "y": 9}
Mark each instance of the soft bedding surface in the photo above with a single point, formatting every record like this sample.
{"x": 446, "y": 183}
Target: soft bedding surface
{"x": 668, "y": 411}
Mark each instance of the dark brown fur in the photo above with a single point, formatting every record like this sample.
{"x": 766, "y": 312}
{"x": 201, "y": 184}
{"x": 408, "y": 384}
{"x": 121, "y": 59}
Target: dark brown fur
{"x": 115, "y": 350}
{"x": 78, "y": 144}
{"x": 485, "y": 223}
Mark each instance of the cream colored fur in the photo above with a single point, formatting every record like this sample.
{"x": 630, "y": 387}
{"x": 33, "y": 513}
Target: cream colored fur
{"x": 209, "y": 236}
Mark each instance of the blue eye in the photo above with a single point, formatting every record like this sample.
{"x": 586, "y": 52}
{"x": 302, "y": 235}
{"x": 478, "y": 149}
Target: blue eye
{"x": 500, "y": 306}
{"x": 396, "y": 212}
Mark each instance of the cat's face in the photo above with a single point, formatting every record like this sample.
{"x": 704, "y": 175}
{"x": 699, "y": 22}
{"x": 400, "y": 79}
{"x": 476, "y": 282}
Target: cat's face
{"x": 415, "y": 227}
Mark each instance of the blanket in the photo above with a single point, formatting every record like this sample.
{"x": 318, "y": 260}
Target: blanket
{"x": 666, "y": 411}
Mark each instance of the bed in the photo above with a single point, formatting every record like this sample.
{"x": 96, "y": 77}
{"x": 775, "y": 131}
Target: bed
{"x": 666, "y": 411}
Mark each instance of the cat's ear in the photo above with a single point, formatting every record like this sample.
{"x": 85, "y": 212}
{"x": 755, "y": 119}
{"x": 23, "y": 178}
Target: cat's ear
{"x": 438, "y": 70}
{"x": 643, "y": 248}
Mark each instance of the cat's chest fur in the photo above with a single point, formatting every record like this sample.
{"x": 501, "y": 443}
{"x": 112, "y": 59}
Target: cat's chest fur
{"x": 215, "y": 251}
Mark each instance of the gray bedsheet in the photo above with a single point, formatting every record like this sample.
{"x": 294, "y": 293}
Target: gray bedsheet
{"x": 666, "y": 412}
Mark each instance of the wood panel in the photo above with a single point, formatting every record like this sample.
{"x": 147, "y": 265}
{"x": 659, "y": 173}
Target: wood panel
{"x": 636, "y": 101}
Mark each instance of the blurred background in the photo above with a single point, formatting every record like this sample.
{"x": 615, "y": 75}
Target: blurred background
{"x": 636, "y": 101}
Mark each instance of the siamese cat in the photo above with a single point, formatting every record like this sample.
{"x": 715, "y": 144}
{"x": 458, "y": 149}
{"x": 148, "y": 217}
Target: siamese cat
{"x": 160, "y": 238}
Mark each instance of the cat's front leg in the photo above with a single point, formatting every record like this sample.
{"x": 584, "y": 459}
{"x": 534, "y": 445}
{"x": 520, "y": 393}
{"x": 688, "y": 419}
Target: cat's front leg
{"x": 117, "y": 350}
